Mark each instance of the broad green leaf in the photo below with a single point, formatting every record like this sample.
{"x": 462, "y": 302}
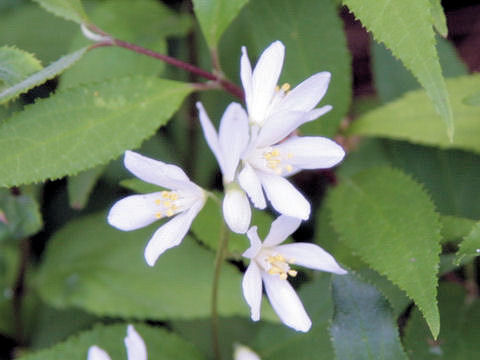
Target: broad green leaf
{"x": 72, "y": 130}
{"x": 161, "y": 344}
{"x": 458, "y": 339}
{"x": 390, "y": 222}
{"x": 439, "y": 19}
{"x": 49, "y": 72}
{"x": 455, "y": 228}
{"x": 214, "y": 17}
{"x": 312, "y": 32}
{"x": 67, "y": 9}
{"x": 363, "y": 326}
{"x": 143, "y": 22}
{"x": 405, "y": 27}
{"x": 472, "y": 99}
{"x": 19, "y": 216}
{"x": 16, "y": 65}
{"x": 470, "y": 246}
{"x": 81, "y": 185}
{"x": 93, "y": 266}
{"x": 412, "y": 118}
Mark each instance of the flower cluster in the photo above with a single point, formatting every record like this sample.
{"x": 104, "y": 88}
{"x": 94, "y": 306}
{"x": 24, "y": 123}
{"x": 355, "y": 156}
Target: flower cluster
{"x": 256, "y": 149}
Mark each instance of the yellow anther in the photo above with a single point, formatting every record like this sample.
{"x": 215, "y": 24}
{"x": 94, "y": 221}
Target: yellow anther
{"x": 173, "y": 196}
{"x": 272, "y": 164}
{"x": 277, "y": 88}
{"x": 292, "y": 273}
{"x": 170, "y": 212}
{"x": 165, "y": 194}
{"x": 275, "y": 152}
{"x": 289, "y": 155}
{"x": 289, "y": 168}
{"x": 158, "y": 215}
{"x": 285, "y": 87}
{"x": 283, "y": 276}
{"x": 268, "y": 155}
{"x": 167, "y": 203}
{"x": 158, "y": 201}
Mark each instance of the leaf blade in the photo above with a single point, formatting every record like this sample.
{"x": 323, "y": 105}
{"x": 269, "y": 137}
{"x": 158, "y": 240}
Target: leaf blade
{"x": 67, "y": 9}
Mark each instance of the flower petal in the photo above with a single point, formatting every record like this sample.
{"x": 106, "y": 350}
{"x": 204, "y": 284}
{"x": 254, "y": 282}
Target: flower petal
{"x": 279, "y": 126}
{"x": 246, "y": 75}
{"x": 311, "y": 256}
{"x": 312, "y": 152}
{"x": 156, "y": 172}
{"x": 252, "y": 289}
{"x": 95, "y": 353}
{"x": 264, "y": 80}
{"x": 281, "y": 228}
{"x": 211, "y": 135}
{"x": 136, "y": 349}
{"x": 236, "y": 210}
{"x": 171, "y": 233}
{"x": 242, "y": 352}
{"x": 233, "y": 137}
{"x": 249, "y": 182}
{"x": 255, "y": 243}
{"x": 306, "y": 95}
{"x": 285, "y": 198}
{"x": 316, "y": 113}
{"x": 286, "y": 303}
{"x": 134, "y": 212}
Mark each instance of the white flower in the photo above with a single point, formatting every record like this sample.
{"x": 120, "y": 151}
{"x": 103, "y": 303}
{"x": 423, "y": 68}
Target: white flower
{"x": 242, "y": 352}
{"x": 182, "y": 204}
{"x": 136, "y": 349}
{"x": 227, "y": 146}
{"x": 270, "y": 263}
{"x": 274, "y": 114}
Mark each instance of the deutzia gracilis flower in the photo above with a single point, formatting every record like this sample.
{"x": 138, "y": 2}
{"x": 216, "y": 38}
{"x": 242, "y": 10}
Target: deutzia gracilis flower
{"x": 270, "y": 262}
{"x": 227, "y": 146}
{"x": 136, "y": 349}
{"x": 242, "y": 352}
{"x": 181, "y": 204}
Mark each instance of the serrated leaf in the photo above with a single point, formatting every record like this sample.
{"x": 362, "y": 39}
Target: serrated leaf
{"x": 312, "y": 32}
{"x": 390, "y": 222}
{"x": 214, "y": 17}
{"x": 72, "y": 130}
{"x": 80, "y": 186}
{"x": 49, "y": 72}
{"x": 67, "y": 9}
{"x": 161, "y": 344}
{"x": 16, "y": 65}
{"x": 412, "y": 118}
{"x": 470, "y": 246}
{"x": 405, "y": 27}
{"x": 439, "y": 19}
{"x": 458, "y": 339}
{"x": 454, "y": 228}
{"x": 93, "y": 266}
{"x": 363, "y": 326}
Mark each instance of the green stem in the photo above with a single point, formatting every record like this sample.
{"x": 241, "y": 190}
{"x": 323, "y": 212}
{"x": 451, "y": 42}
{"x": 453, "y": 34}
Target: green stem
{"x": 222, "y": 247}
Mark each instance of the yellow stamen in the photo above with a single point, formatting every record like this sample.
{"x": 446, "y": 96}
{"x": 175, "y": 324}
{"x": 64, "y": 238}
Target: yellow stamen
{"x": 167, "y": 203}
{"x": 158, "y": 215}
{"x": 285, "y": 87}
{"x": 158, "y": 202}
{"x": 292, "y": 273}
{"x": 170, "y": 212}
{"x": 289, "y": 168}
{"x": 289, "y": 155}
{"x": 165, "y": 194}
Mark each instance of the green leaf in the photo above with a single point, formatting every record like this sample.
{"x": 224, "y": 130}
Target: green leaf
{"x": 52, "y": 70}
{"x": 405, "y": 27}
{"x": 363, "y": 326}
{"x": 67, "y": 9}
{"x": 472, "y": 99}
{"x": 72, "y": 130}
{"x": 390, "y": 222}
{"x": 81, "y": 185}
{"x": 439, "y": 19}
{"x": 312, "y": 32}
{"x": 458, "y": 339}
{"x": 470, "y": 246}
{"x": 454, "y": 228}
{"x": 214, "y": 17}
{"x": 412, "y": 118}
{"x": 93, "y": 266}
{"x": 19, "y": 216}
{"x": 161, "y": 344}
{"x": 16, "y": 65}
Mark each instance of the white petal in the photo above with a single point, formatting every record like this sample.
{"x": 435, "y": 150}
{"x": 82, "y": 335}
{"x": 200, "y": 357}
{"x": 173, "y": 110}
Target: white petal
{"x": 236, "y": 210}
{"x": 312, "y": 152}
{"x": 252, "y": 289}
{"x": 246, "y": 76}
{"x": 249, "y": 182}
{"x": 306, "y": 95}
{"x": 244, "y": 353}
{"x": 156, "y": 172}
{"x": 316, "y": 113}
{"x": 95, "y": 353}
{"x": 255, "y": 243}
{"x": 285, "y": 198}
{"x": 286, "y": 303}
{"x": 170, "y": 234}
{"x": 136, "y": 349}
{"x": 281, "y": 228}
{"x": 264, "y": 80}
{"x": 311, "y": 256}
{"x": 134, "y": 212}
{"x": 233, "y": 137}
{"x": 279, "y": 126}
{"x": 211, "y": 135}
